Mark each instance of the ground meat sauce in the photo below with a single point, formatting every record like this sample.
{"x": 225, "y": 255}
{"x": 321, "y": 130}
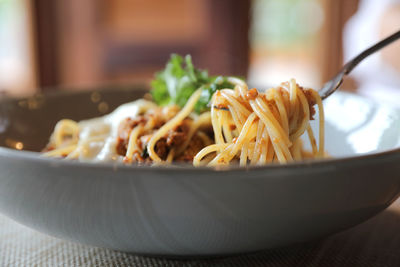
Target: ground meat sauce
{"x": 174, "y": 138}
{"x": 195, "y": 145}
{"x": 124, "y": 130}
{"x": 311, "y": 101}
{"x": 252, "y": 94}
{"x": 179, "y": 134}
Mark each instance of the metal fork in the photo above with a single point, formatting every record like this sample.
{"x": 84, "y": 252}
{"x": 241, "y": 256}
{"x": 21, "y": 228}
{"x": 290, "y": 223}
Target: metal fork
{"x": 331, "y": 86}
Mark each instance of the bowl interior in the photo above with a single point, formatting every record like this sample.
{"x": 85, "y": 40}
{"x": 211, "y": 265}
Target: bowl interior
{"x": 354, "y": 124}
{"x": 30, "y": 121}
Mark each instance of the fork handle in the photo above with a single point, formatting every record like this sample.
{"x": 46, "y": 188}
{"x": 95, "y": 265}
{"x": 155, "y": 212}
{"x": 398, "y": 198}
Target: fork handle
{"x": 354, "y": 62}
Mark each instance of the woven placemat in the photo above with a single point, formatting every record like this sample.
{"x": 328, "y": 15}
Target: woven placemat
{"x": 375, "y": 243}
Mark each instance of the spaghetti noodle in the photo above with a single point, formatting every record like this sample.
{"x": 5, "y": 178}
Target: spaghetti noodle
{"x": 244, "y": 126}
{"x": 259, "y": 128}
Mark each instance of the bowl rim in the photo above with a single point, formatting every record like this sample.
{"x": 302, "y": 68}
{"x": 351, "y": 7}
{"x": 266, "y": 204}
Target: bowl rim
{"x": 342, "y": 162}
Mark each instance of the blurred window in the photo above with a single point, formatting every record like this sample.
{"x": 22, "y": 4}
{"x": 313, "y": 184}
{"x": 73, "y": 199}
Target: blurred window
{"x": 16, "y": 61}
{"x": 285, "y": 41}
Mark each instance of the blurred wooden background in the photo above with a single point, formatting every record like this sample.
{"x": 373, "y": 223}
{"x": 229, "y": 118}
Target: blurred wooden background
{"x": 85, "y": 43}
{"x": 128, "y": 40}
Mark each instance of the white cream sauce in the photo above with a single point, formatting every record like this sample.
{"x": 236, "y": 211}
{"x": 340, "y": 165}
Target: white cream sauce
{"x": 102, "y": 132}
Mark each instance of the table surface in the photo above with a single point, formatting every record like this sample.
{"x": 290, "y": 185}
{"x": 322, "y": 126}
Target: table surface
{"x": 374, "y": 243}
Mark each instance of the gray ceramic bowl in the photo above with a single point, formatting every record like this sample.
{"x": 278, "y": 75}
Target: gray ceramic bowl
{"x": 187, "y": 211}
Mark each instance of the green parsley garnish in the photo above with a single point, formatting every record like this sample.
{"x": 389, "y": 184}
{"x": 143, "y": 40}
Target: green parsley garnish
{"x": 180, "y": 79}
